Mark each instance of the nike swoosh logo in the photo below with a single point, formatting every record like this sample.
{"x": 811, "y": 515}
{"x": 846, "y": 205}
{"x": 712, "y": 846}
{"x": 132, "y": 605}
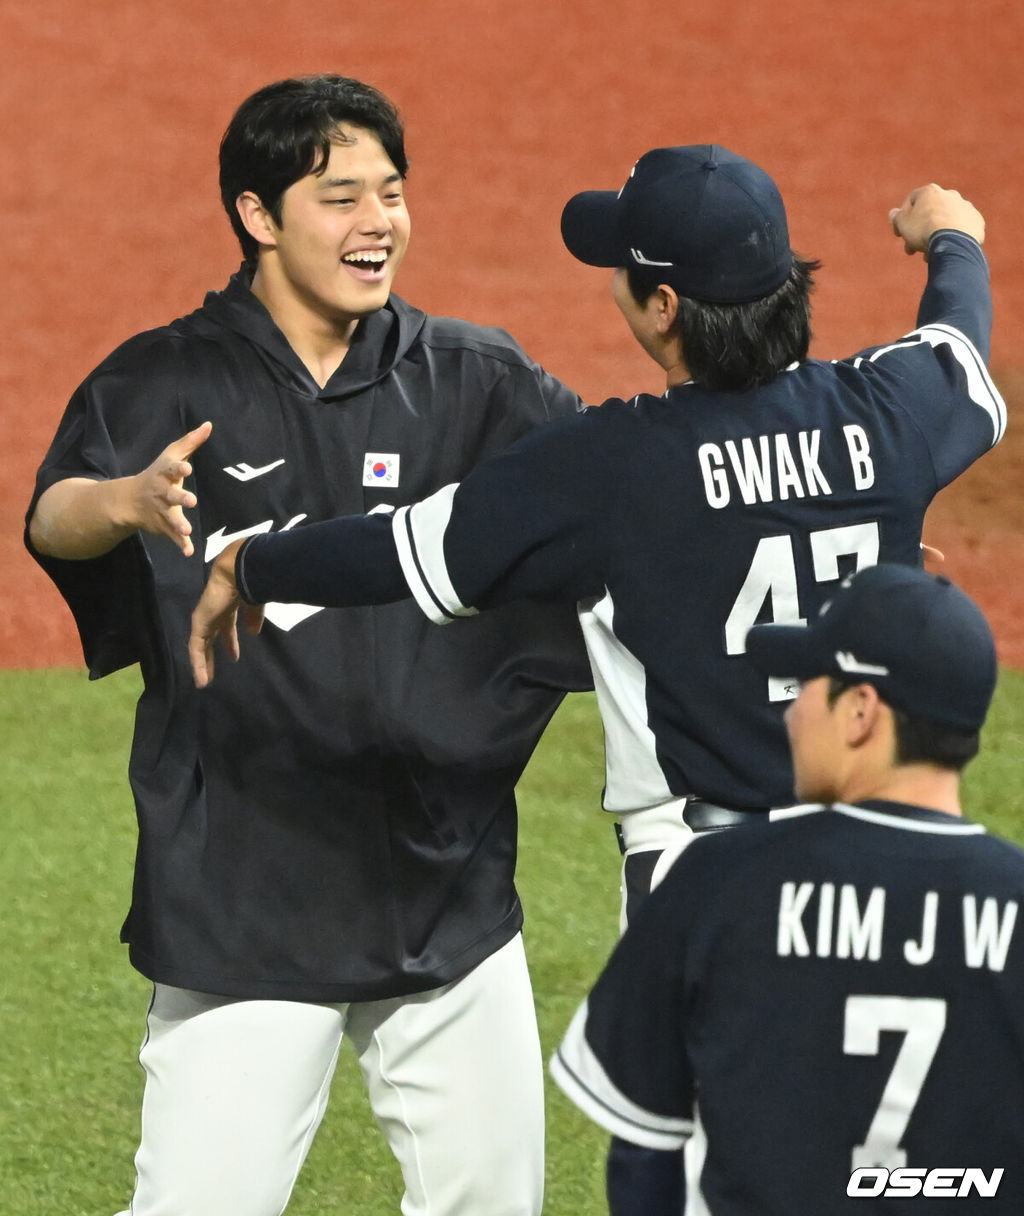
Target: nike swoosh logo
{"x": 287, "y": 616}
{"x": 245, "y": 472}
{"x": 218, "y": 541}
{"x": 284, "y": 616}
{"x": 639, "y": 257}
{"x": 849, "y": 663}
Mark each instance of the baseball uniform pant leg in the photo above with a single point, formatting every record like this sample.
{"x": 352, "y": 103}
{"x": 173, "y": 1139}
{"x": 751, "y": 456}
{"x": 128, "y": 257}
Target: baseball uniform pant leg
{"x": 235, "y": 1090}
{"x": 455, "y": 1078}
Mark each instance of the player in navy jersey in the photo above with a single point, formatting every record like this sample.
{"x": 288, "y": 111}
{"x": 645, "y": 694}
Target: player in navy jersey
{"x": 833, "y": 1010}
{"x": 327, "y": 843}
{"x": 677, "y": 522}
{"x": 745, "y": 493}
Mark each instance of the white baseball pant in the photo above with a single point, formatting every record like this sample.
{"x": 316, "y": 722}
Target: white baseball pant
{"x": 235, "y": 1091}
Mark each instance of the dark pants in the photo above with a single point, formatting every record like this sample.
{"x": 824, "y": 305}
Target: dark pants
{"x": 643, "y": 1181}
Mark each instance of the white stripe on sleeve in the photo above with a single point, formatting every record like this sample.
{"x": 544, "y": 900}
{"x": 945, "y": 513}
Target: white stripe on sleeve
{"x": 579, "y": 1074}
{"x": 419, "y": 538}
{"x": 980, "y": 387}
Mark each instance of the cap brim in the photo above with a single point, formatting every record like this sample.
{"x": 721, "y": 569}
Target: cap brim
{"x": 590, "y": 228}
{"x": 785, "y": 650}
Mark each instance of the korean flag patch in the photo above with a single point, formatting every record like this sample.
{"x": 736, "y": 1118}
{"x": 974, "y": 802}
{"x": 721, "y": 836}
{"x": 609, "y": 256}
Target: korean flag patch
{"x": 381, "y": 469}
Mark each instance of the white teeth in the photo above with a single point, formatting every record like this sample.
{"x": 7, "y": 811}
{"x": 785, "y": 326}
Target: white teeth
{"x": 376, "y": 256}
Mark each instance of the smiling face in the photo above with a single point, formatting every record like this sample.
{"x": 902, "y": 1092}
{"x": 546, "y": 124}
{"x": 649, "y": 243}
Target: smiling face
{"x": 342, "y": 236}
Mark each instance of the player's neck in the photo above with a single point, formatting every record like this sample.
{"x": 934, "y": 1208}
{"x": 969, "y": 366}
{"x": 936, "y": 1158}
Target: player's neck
{"x": 677, "y": 373}
{"x": 926, "y": 785}
{"x": 321, "y": 342}
{"x": 673, "y": 361}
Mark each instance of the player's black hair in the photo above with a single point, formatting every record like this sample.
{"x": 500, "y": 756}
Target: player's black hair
{"x": 284, "y": 132}
{"x": 920, "y": 741}
{"x": 739, "y": 346}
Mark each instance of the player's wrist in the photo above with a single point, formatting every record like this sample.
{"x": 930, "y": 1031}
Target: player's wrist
{"x": 953, "y": 230}
{"x": 123, "y": 503}
{"x": 238, "y": 571}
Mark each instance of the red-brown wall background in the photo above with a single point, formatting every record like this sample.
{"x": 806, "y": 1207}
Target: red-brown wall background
{"x": 111, "y": 222}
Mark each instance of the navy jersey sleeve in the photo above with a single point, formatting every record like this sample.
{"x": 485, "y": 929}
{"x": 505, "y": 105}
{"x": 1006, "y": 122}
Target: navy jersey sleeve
{"x": 112, "y": 428}
{"x": 624, "y": 1059}
{"x": 339, "y": 563}
{"x": 957, "y": 292}
{"x": 937, "y": 374}
{"x": 533, "y": 523}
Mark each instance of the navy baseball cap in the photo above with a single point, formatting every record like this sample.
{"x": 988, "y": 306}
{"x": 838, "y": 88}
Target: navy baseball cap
{"x": 922, "y": 642}
{"x": 711, "y": 222}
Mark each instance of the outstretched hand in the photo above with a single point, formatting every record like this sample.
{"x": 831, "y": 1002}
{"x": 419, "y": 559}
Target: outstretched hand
{"x": 158, "y": 496}
{"x": 216, "y": 616}
{"x": 927, "y": 209}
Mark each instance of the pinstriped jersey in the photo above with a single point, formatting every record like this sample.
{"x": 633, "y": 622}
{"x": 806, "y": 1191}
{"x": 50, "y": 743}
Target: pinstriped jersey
{"x": 678, "y": 522}
{"x": 837, "y": 991}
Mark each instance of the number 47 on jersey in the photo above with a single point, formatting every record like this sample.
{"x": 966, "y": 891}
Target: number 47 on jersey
{"x": 772, "y": 573}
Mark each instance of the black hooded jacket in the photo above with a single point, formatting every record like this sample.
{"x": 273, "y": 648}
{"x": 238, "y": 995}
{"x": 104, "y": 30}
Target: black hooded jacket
{"x": 334, "y": 818}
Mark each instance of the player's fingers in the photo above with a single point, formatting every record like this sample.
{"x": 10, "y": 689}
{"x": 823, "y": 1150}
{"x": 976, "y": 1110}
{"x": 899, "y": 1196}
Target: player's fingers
{"x": 227, "y": 628}
{"x": 174, "y": 495}
{"x": 209, "y": 623}
{"x": 188, "y": 443}
{"x": 175, "y": 525}
{"x": 253, "y": 615}
{"x": 907, "y": 204}
{"x": 175, "y": 471}
{"x": 177, "y": 521}
{"x": 898, "y": 217}
{"x": 185, "y": 498}
{"x": 915, "y": 199}
{"x": 200, "y": 654}
{"x": 920, "y": 193}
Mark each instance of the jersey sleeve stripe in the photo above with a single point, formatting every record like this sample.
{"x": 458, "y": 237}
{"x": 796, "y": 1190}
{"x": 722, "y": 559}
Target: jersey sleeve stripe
{"x": 419, "y": 539}
{"x": 980, "y": 386}
{"x": 579, "y": 1074}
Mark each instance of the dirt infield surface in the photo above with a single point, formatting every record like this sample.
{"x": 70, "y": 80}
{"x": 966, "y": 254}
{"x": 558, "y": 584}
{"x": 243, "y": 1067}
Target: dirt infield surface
{"x": 112, "y": 113}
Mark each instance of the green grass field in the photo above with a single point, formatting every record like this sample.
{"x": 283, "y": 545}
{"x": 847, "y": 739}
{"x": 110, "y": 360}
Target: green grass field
{"x": 71, "y": 1008}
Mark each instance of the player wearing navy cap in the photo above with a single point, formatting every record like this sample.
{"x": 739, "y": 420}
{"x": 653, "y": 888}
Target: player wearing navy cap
{"x": 701, "y": 217}
{"x": 745, "y": 493}
{"x": 833, "y": 1001}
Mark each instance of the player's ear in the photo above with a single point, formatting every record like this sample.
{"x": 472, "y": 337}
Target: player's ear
{"x": 259, "y": 223}
{"x": 864, "y": 710}
{"x": 666, "y": 303}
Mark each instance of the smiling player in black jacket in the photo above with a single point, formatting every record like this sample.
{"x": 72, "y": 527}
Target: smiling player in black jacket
{"x": 327, "y": 841}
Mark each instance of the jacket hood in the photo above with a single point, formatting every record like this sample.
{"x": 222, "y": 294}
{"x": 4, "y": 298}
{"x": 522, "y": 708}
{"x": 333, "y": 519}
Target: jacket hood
{"x": 380, "y": 341}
